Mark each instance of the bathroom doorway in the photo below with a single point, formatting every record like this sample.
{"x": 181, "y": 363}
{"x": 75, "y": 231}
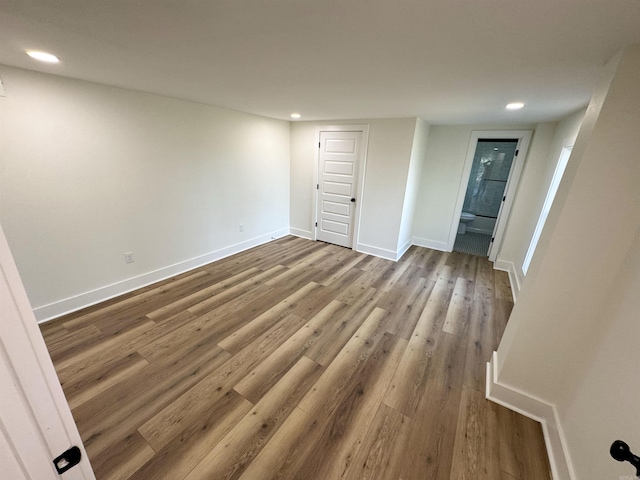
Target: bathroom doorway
{"x": 493, "y": 166}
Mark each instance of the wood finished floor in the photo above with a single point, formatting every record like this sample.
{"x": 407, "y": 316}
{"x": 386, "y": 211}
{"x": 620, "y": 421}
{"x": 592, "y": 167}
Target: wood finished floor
{"x": 299, "y": 360}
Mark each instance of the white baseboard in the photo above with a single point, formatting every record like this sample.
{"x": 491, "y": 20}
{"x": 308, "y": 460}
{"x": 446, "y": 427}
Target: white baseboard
{"x": 377, "y": 252}
{"x": 301, "y": 233}
{"x": 538, "y": 410}
{"x": 403, "y": 249}
{"x": 514, "y": 280}
{"x": 432, "y": 244}
{"x": 56, "y": 309}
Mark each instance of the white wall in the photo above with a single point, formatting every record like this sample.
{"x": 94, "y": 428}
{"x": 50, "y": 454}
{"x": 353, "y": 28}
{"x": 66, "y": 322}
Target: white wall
{"x": 387, "y": 166}
{"x": 416, "y": 163}
{"x": 604, "y": 406}
{"x": 548, "y": 141}
{"x": 558, "y": 344}
{"x": 90, "y": 172}
{"x": 303, "y": 145}
{"x": 441, "y": 180}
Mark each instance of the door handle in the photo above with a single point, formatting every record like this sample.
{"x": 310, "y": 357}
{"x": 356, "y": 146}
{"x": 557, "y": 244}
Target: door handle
{"x": 67, "y": 460}
{"x": 621, "y": 452}
{"x": 353, "y": 200}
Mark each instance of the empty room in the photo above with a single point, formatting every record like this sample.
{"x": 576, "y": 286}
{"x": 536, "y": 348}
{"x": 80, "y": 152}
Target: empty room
{"x": 277, "y": 239}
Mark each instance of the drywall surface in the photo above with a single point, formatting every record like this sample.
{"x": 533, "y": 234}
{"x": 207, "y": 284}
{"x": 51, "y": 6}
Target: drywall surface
{"x": 547, "y": 144}
{"x": 530, "y": 188}
{"x": 441, "y": 179}
{"x": 418, "y": 155}
{"x": 557, "y": 322}
{"x": 304, "y": 144}
{"x": 604, "y": 406}
{"x": 387, "y": 166}
{"x": 90, "y": 172}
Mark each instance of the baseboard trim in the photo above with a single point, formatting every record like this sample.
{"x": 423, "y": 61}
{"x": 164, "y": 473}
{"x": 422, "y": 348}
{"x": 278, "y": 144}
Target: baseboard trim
{"x": 538, "y": 410}
{"x": 432, "y": 244}
{"x": 403, "y": 249}
{"x": 377, "y": 251}
{"x": 65, "y": 306}
{"x": 301, "y": 233}
{"x": 514, "y": 280}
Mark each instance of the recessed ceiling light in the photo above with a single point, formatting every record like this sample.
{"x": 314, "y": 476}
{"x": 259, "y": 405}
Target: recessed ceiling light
{"x": 295, "y": 115}
{"x": 515, "y": 106}
{"x": 43, "y": 56}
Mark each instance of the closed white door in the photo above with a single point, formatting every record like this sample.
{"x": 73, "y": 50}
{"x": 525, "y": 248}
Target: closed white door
{"x": 338, "y": 164}
{"x": 36, "y": 425}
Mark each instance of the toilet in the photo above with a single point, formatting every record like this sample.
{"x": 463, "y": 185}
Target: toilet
{"x": 465, "y": 218}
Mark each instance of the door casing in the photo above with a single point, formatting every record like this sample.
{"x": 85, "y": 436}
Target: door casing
{"x": 524, "y": 139}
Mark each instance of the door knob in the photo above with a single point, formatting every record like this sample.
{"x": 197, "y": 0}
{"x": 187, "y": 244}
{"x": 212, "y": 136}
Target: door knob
{"x": 621, "y": 452}
{"x": 353, "y": 200}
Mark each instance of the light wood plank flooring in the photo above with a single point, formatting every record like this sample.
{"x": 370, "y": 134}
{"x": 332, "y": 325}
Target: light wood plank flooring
{"x": 298, "y": 360}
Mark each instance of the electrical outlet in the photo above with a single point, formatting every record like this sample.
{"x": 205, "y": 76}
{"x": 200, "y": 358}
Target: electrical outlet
{"x": 128, "y": 257}
{"x": 241, "y": 227}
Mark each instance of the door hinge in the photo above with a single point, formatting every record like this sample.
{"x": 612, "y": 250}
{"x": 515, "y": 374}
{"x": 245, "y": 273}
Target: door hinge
{"x": 316, "y": 224}
{"x": 318, "y": 144}
{"x": 493, "y": 238}
{"x": 317, "y": 186}
{"x": 67, "y": 460}
{"x": 517, "y": 151}
{"x": 504, "y": 198}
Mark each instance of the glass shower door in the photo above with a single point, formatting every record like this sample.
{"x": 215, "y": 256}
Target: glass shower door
{"x": 489, "y": 175}
{"x": 490, "y": 171}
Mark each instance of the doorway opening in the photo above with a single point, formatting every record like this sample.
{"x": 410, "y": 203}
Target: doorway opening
{"x": 484, "y": 195}
{"x": 495, "y": 160}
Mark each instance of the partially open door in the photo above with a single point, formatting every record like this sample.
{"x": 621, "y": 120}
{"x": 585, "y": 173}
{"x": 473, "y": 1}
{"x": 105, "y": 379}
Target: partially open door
{"x": 36, "y": 425}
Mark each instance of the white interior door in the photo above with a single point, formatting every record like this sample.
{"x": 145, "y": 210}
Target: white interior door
{"x": 338, "y": 163}
{"x": 36, "y": 424}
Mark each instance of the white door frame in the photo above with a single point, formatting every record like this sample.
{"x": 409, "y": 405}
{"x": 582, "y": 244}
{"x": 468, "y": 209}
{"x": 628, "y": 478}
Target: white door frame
{"x": 36, "y": 424}
{"x": 524, "y": 139}
{"x": 361, "y": 175}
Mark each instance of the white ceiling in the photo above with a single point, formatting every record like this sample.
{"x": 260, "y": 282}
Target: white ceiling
{"x": 447, "y": 61}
